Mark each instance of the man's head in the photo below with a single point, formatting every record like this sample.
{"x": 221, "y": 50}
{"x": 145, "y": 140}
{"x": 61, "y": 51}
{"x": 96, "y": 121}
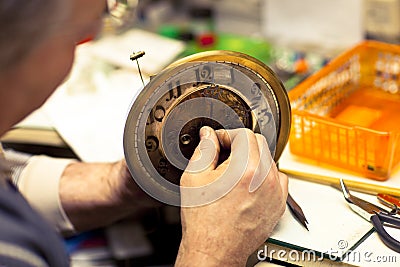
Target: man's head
{"x": 23, "y": 25}
{"x": 37, "y": 46}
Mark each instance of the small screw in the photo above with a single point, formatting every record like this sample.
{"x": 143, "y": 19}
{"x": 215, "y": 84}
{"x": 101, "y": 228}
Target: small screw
{"x": 151, "y": 144}
{"x": 186, "y": 139}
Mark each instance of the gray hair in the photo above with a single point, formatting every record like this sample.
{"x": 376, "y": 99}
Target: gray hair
{"x": 23, "y": 24}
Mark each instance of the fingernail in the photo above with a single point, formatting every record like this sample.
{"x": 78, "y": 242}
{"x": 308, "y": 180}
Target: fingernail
{"x": 204, "y": 132}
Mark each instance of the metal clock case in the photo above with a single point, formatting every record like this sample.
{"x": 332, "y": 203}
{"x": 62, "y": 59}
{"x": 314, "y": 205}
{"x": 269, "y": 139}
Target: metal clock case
{"x": 220, "y": 89}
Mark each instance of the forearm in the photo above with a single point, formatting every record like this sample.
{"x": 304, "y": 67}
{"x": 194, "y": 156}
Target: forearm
{"x": 96, "y": 194}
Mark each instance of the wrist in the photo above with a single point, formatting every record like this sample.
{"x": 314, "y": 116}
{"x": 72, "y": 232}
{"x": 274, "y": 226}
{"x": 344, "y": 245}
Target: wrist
{"x": 192, "y": 255}
{"x": 127, "y": 193}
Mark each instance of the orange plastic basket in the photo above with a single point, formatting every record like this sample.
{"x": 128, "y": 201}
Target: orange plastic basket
{"x": 348, "y": 114}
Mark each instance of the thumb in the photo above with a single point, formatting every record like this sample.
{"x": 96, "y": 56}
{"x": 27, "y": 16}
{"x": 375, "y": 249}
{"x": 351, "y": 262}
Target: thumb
{"x": 205, "y": 156}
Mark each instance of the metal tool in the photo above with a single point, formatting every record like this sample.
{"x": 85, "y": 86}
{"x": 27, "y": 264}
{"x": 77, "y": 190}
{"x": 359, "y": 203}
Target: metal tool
{"x": 390, "y": 201}
{"x": 376, "y": 215}
{"x": 134, "y": 57}
{"x": 296, "y": 211}
{"x": 220, "y": 89}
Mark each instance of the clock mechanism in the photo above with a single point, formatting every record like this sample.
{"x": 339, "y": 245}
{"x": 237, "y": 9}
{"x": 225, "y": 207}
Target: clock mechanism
{"x": 220, "y": 89}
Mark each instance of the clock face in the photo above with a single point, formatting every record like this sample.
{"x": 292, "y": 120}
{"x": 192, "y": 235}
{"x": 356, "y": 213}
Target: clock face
{"x": 220, "y": 89}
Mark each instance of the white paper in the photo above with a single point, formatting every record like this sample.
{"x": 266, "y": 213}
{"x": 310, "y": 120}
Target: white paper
{"x": 334, "y": 227}
{"x": 159, "y": 50}
{"x": 37, "y": 119}
{"x": 92, "y": 123}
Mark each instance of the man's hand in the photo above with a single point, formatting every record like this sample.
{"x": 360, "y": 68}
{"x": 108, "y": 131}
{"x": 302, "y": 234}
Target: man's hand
{"x": 225, "y": 232}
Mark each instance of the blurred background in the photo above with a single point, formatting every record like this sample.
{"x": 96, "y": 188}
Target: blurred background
{"x": 293, "y": 37}
{"x": 306, "y": 22}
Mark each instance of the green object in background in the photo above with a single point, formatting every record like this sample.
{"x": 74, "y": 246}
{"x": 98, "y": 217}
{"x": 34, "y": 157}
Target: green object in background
{"x": 255, "y": 47}
{"x": 170, "y": 31}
